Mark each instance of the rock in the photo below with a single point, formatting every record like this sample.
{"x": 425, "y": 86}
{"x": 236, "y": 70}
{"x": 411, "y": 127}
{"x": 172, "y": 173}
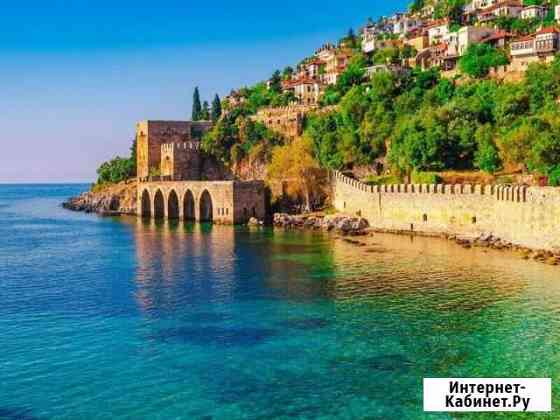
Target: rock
{"x": 113, "y": 200}
{"x": 552, "y": 261}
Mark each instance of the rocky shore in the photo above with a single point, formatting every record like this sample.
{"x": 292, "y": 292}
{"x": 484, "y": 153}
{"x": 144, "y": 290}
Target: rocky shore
{"x": 113, "y": 200}
{"x": 345, "y": 225}
{"x": 489, "y": 241}
{"x": 358, "y": 226}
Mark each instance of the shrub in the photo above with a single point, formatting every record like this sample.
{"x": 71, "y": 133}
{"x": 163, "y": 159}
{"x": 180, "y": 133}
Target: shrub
{"x": 554, "y": 176}
{"x": 425, "y": 178}
{"x": 382, "y": 180}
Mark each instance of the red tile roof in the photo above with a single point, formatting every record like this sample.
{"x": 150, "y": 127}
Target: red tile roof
{"x": 436, "y": 23}
{"x": 549, "y": 30}
{"x": 507, "y": 3}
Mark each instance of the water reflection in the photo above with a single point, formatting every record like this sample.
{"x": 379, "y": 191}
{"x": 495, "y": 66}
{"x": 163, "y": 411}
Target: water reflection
{"x": 175, "y": 259}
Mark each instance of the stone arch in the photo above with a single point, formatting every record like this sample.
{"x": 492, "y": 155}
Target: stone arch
{"x": 188, "y": 206}
{"x": 206, "y": 209}
{"x": 172, "y": 205}
{"x": 159, "y": 205}
{"x": 146, "y": 204}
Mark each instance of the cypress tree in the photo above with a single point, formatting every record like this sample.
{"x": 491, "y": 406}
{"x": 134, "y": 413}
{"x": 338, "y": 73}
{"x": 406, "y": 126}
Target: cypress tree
{"x": 216, "y": 112}
{"x": 205, "y": 113}
{"x": 196, "y": 108}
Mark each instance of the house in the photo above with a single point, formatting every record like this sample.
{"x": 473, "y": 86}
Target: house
{"x": 406, "y": 24}
{"x": 468, "y": 35}
{"x": 391, "y": 68}
{"x": 306, "y": 90}
{"x": 418, "y": 40}
{"x": 437, "y": 30}
{"x": 451, "y": 39}
{"x": 235, "y": 99}
{"x": 557, "y": 12}
{"x": 313, "y": 68}
{"x": 336, "y": 61}
{"x": 498, "y": 39}
{"x": 540, "y": 47}
{"x": 507, "y": 8}
{"x": 436, "y": 56}
{"x": 534, "y": 12}
{"x": 369, "y": 34}
{"x": 483, "y": 4}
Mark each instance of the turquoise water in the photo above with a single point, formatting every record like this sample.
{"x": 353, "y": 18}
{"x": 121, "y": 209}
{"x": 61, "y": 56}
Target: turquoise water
{"x": 106, "y": 318}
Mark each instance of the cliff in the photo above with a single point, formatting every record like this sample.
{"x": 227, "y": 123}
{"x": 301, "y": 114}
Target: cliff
{"x": 113, "y": 199}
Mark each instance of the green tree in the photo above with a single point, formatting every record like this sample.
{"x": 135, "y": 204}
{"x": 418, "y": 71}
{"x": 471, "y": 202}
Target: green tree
{"x": 487, "y": 157}
{"x": 287, "y": 73}
{"x": 205, "y": 113}
{"x": 196, "y": 107}
{"x": 480, "y": 58}
{"x": 216, "y": 111}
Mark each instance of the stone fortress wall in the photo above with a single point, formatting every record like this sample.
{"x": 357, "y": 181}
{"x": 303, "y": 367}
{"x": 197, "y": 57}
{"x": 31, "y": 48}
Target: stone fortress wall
{"x": 181, "y": 160}
{"x": 152, "y": 135}
{"x": 525, "y": 216}
{"x": 286, "y": 120}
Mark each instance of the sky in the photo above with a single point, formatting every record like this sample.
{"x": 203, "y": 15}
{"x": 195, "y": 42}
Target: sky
{"x": 76, "y": 75}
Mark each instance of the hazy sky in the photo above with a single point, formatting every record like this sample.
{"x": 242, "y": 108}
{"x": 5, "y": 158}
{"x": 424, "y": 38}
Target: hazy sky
{"x": 76, "y": 75}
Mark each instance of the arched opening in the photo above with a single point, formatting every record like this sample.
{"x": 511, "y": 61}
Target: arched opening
{"x": 206, "y": 211}
{"x": 159, "y": 212}
{"x": 188, "y": 206}
{"x": 146, "y": 204}
{"x": 173, "y": 206}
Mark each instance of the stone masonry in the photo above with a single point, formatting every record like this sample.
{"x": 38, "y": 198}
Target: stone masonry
{"x": 152, "y": 135}
{"x": 228, "y": 202}
{"x": 188, "y": 185}
{"x": 525, "y": 216}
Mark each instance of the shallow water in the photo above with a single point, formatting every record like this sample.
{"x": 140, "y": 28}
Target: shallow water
{"x": 123, "y": 319}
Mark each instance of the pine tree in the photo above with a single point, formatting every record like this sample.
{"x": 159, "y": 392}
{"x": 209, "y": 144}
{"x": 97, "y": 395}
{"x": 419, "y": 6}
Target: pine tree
{"x": 205, "y": 113}
{"x": 196, "y": 108}
{"x": 216, "y": 111}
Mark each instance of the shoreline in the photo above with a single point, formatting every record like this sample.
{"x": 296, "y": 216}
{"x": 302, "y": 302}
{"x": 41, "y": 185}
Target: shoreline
{"x": 119, "y": 200}
{"x": 483, "y": 241}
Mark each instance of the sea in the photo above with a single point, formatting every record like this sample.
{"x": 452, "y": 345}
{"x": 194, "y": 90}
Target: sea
{"x": 124, "y": 318}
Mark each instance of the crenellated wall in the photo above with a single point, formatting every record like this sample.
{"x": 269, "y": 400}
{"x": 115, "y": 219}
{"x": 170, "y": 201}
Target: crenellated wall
{"x": 526, "y": 216}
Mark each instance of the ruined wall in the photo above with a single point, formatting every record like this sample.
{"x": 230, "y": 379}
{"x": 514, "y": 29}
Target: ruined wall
{"x": 526, "y": 216}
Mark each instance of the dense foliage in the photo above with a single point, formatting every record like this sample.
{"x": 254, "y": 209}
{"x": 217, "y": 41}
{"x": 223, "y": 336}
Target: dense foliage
{"x": 235, "y": 136}
{"x": 423, "y": 122}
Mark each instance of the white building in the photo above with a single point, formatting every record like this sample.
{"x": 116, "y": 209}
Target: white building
{"x": 405, "y": 25}
{"x": 368, "y": 39}
{"x": 534, "y": 12}
{"x": 469, "y": 35}
{"x": 436, "y": 31}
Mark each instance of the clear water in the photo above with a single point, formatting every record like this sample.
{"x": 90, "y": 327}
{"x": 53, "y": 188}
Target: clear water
{"x": 115, "y": 318}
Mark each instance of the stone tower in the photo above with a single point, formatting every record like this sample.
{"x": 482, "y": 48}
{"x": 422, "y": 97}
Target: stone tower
{"x": 185, "y": 137}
